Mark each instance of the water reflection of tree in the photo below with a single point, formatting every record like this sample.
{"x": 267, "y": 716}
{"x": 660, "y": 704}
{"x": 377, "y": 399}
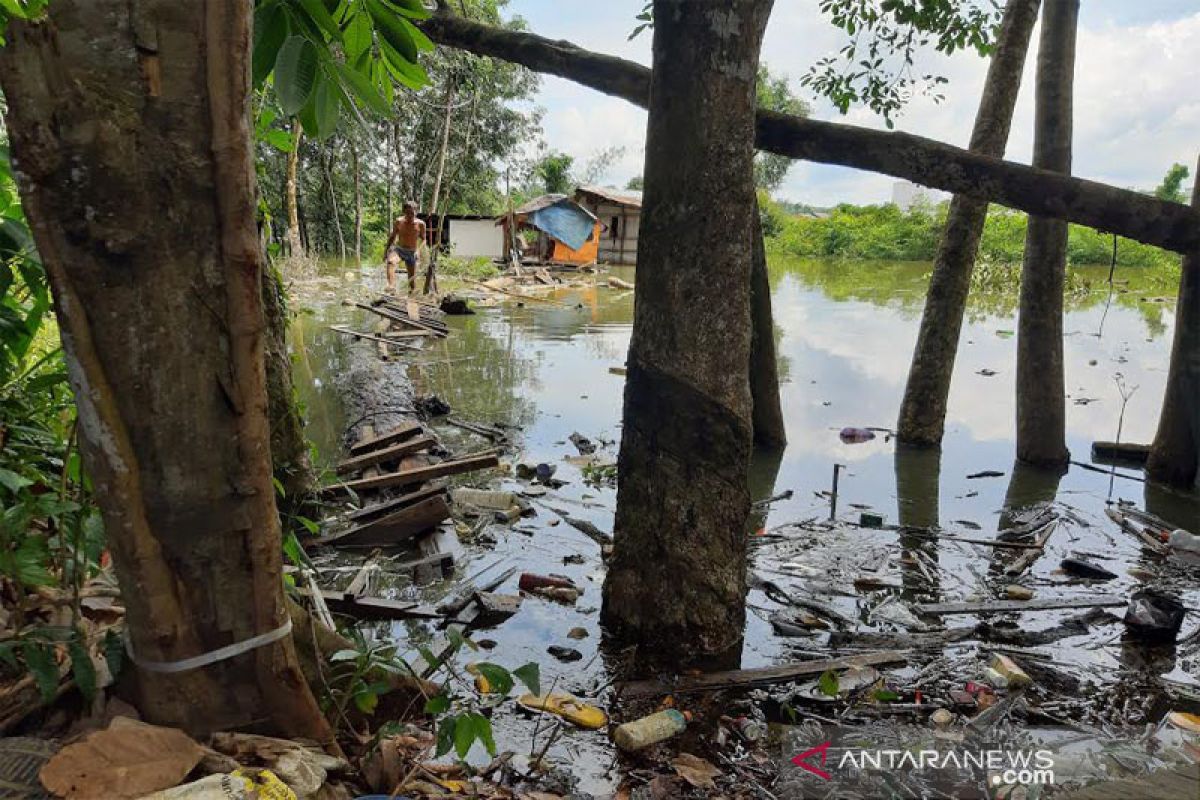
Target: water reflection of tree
{"x": 918, "y": 483}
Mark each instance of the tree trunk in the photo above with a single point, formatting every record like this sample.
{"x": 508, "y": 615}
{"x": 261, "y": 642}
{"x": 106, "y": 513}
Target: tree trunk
{"x": 769, "y": 429}
{"x": 358, "y": 215}
{"x": 391, "y": 172}
{"x": 295, "y": 245}
{"x": 1175, "y": 454}
{"x": 290, "y": 460}
{"x": 437, "y": 190}
{"x": 923, "y": 409}
{"x": 676, "y": 585}
{"x": 136, "y": 170}
{"x": 1041, "y": 394}
{"x": 1127, "y": 213}
{"x": 333, "y": 204}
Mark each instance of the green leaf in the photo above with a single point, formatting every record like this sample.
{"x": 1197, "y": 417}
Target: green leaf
{"x": 320, "y": 15}
{"x": 413, "y": 9}
{"x": 501, "y": 680}
{"x": 12, "y": 481}
{"x": 438, "y": 704}
{"x": 465, "y": 733}
{"x": 39, "y": 657}
{"x": 270, "y": 30}
{"x": 483, "y": 731}
{"x": 885, "y": 695}
{"x": 363, "y": 90}
{"x": 280, "y": 140}
{"x": 295, "y": 73}
{"x": 344, "y": 655}
{"x": 828, "y": 683}
{"x": 29, "y": 563}
{"x": 114, "y": 652}
{"x": 356, "y": 37}
{"x": 82, "y": 668}
{"x": 393, "y": 28}
{"x": 446, "y": 735}
{"x": 531, "y": 676}
{"x": 366, "y": 700}
{"x": 327, "y": 106}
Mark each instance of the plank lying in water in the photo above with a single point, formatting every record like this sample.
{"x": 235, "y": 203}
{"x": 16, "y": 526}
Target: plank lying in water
{"x": 761, "y": 676}
{"x": 405, "y": 430}
{"x": 1037, "y": 604}
{"x": 407, "y": 477}
{"x": 377, "y": 510}
{"x": 395, "y": 528}
{"x": 1120, "y": 453}
{"x": 391, "y": 338}
{"x": 388, "y": 313}
{"x": 391, "y": 453}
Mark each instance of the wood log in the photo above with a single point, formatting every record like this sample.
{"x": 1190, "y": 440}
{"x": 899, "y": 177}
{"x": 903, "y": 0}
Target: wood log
{"x": 760, "y": 676}
{"x": 1172, "y": 226}
{"x": 1120, "y": 453}
{"x": 404, "y": 430}
{"x": 1006, "y": 606}
{"x": 393, "y": 453}
{"x": 394, "y": 529}
{"x": 388, "y": 313}
{"x": 408, "y": 477}
{"x": 377, "y": 510}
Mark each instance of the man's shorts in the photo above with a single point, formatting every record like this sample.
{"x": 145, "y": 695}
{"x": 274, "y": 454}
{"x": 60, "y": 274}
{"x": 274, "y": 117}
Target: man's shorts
{"x": 409, "y": 257}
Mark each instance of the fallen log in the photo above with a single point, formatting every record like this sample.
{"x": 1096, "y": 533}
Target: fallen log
{"x": 404, "y": 430}
{"x": 1120, "y": 453}
{"x": 392, "y": 453}
{"x": 408, "y": 477}
{"x": 1172, "y": 226}
{"x": 617, "y": 283}
{"x": 1006, "y": 606}
{"x": 394, "y": 529}
{"x": 760, "y": 676}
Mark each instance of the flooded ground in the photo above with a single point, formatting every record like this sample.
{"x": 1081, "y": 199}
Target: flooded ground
{"x": 845, "y": 334}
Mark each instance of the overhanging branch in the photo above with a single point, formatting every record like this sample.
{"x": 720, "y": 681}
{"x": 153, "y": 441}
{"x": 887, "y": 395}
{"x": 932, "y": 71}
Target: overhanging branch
{"x": 1171, "y": 226}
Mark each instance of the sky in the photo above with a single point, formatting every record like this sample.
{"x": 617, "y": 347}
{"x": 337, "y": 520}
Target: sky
{"x": 1137, "y": 92}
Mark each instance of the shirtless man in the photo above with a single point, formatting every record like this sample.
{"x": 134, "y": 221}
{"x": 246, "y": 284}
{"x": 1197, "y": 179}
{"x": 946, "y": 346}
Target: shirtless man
{"x": 408, "y": 233}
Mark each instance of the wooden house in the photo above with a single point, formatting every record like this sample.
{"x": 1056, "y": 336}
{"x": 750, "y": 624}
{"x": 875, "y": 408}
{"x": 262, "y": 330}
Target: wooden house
{"x": 567, "y": 233}
{"x": 619, "y": 213}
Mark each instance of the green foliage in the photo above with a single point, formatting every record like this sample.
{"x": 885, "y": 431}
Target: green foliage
{"x": 1171, "y": 187}
{"x": 775, "y": 94}
{"x": 335, "y": 59}
{"x": 19, "y": 9}
{"x": 477, "y": 268}
{"x": 886, "y": 233}
{"x": 874, "y": 68}
{"x": 553, "y": 172}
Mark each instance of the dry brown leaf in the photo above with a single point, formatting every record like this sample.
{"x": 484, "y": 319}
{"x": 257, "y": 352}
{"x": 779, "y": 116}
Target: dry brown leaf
{"x": 695, "y": 770}
{"x": 129, "y": 759}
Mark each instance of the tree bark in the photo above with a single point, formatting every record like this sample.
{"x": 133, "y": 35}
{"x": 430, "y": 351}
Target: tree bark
{"x": 769, "y": 429}
{"x": 676, "y": 585}
{"x": 923, "y": 409}
{"x": 134, "y": 153}
{"x": 436, "y": 242}
{"x": 358, "y": 215}
{"x": 1171, "y": 226}
{"x": 295, "y": 245}
{"x": 1175, "y": 454}
{"x": 290, "y": 459}
{"x": 333, "y": 203}
{"x": 1041, "y": 394}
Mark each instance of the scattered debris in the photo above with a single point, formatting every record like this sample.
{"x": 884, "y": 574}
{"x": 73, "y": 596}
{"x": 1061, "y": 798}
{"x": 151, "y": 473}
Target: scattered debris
{"x": 1154, "y": 615}
{"x": 1001, "y": 606}
{"x": 856, "y": 435}
{"x": 566, "y": 654}
{"x": 584, "y": 445}
{"x": 1081, "y": 568}
{"x": 987, "y": 473}
{"x": 652, "y": 729}
{"x": 454, "y": 305}
{"x": 570, "y": 708}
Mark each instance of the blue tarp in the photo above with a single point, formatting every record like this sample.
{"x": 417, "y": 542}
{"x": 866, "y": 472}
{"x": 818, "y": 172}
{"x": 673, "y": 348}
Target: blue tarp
{"x": 566, "y": 221}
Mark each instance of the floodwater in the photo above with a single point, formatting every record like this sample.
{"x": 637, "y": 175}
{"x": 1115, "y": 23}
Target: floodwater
{"x": 844, "y": 333}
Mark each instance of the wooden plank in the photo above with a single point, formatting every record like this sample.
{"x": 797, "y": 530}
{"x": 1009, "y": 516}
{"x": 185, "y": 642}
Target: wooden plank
{"x": 388, "y": 339}
{"x": 1120, "y": 453}
{"x": 358, "y": 584}
{"x": 395, "y": 528}
{"x": 407, "y": 477}
{"x": 1037, "y": 604}
{"x": 422, "y": 314}
{"x": 377, "y": 510}
{"x": 389, "y": 313}
{"x": 375, "y": 607}
{"x": 404, "y": 430}
{"x": 392, "y": 453}
{"x": 1023, "y": 561}
{"x": 761, "y": 676}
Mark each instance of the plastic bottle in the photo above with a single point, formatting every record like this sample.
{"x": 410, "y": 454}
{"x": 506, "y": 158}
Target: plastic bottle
{"x": 652, "y": 729}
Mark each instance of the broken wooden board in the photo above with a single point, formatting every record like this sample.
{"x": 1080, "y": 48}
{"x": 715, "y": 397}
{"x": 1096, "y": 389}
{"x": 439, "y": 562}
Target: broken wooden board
{"x": 417, "y": 312}
{"x": 408, "y": 477}
{"x": 405, "y": 430}
{"x": 394, "y": 529}
{"x": 374, "y": 607}
{"x": 377, "y": 510}
{"x": 1141, "y": 528}
{"x": 1026, "y": 559}
{"x": 391, "y": 453}
{"x": 760, "y": 676}
{"x": 1118, "y": 453}
{"x": 390, "y": 338}
{"x": 389, "y": 313}
{"x": 1037, "y": 604}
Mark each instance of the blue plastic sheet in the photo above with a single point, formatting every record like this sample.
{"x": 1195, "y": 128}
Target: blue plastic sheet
{"x": 566, "y": 221}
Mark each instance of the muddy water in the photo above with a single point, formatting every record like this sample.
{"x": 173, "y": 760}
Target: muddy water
{"x": 845, "y": 334}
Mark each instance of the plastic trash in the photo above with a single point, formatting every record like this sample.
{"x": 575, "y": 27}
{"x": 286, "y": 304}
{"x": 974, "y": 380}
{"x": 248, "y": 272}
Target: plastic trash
{"x": 1184, "y": 540}
{"x": 570, "y": 708}
{"x": 529, "y": 582}
{"x": 1017, "y": 592}
{"x": 659, "y": 727}
{"x": 1079, "y": 568}
{"x": 1154, "y": 616}
{"x": 856, "y": 435}
{"x": 1014, "y": 676}
{"x": 484, "y": 498}
{"x": 238, "y": 785}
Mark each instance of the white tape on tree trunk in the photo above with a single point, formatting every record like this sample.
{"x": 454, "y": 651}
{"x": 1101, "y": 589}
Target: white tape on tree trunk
{"x": 211, "y": 657}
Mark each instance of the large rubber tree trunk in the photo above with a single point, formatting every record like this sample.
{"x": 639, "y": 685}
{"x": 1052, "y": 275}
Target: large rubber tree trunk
{"x": 923, "y": 409}
{"x": 290, "y": 458}
{"x": 1175, "y": 454}
{"x": 1041, "y": 393}
{"x": 134, "y": 151}
{"x": 676, "y": 584}
{"x": 769, "y": 429}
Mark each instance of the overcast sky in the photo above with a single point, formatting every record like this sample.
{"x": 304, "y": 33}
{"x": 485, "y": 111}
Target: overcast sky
{"x": 1137, "y": 92}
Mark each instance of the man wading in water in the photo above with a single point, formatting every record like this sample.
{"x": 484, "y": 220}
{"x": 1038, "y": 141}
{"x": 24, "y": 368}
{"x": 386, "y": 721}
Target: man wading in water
{"x": 407, "y": 234}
